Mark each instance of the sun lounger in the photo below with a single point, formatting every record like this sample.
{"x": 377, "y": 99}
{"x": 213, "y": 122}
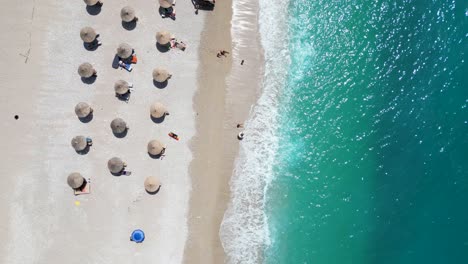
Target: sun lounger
{"x": 86, "y": 189}
{"x": 126, "y": 66}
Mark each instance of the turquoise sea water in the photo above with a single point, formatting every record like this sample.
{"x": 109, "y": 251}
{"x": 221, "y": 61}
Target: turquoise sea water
{"x": 372, "y": 161}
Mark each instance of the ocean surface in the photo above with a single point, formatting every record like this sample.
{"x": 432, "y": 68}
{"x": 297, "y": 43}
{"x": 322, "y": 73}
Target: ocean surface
{"x": 357, "y": 150}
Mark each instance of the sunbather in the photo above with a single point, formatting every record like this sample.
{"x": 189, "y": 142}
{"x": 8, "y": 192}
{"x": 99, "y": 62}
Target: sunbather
{"x": 127, "y": 66}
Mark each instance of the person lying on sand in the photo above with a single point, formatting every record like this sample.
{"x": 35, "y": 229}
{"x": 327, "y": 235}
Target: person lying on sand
{"x": 176, "y": 44}
{"x": 222, "y": 53}
{"x": 127, "y": 66}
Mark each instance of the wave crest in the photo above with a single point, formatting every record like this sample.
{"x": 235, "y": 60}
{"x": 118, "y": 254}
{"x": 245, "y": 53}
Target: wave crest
{"x": 244, "y": 230}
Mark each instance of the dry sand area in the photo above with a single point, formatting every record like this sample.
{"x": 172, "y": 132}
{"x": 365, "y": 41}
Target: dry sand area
{"x": 41, "y": 222}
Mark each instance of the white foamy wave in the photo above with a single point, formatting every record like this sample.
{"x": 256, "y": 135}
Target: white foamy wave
{"x": 244, "y": 230}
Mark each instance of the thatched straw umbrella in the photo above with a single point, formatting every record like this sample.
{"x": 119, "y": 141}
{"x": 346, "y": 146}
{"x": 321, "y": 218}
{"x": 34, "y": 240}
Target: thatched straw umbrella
{"x": 115, "y": 165}
{"x": 157, "y": 110}
{"x": 121, "y": 87}
{"x": 166, "y": 3}
{"x": 127, "y": 14}
{"x": 152, "y": 184}
{"x": 118, "y": 126}
{"x": 75, "y": 180}
{"x": 88, "y": 34}
{"x": 91, "y": 2}
{"x": 163, "y": 37}
{"x": 79, "y": 143}
{"x": 83, "y": 110}
{"x": 161, "y": 75}
{"x": 124, "y": 51}
{"x": 155, "y": 148}
{"x": 86, "y": 70}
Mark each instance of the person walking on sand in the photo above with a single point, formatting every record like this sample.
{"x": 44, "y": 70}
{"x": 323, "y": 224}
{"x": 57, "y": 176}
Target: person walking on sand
{"x": 240, "y": 125}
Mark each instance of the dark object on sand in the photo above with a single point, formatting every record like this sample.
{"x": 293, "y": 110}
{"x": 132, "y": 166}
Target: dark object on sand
{"x": 203, "y": 4}
{"x": 16, "y": 117}
{"x": 240, "y": 136}
{"x": 174, "y": 136}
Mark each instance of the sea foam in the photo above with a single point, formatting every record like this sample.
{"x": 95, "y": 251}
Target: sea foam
{"x": 244, "y": 230}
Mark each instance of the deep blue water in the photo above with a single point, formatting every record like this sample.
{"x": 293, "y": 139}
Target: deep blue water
{"x": 373, "y": 136}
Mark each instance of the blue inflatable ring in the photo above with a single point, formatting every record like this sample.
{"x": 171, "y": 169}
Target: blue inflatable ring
{"x": 137, "y": 236}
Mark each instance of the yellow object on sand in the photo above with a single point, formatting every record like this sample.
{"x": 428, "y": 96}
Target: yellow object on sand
{"x": 77, "y": 203}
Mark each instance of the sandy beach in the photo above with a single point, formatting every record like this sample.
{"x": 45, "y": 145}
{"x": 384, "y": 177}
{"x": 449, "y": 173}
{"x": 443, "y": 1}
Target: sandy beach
{"x": 42, "y": 221}
{"x": 227, "y": 91}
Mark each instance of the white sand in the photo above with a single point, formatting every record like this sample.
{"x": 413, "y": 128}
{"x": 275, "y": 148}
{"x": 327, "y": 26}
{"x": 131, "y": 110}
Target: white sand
{"x": 42, "y": 224}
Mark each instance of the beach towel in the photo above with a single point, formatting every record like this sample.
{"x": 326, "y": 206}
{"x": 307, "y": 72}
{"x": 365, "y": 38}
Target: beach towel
{"x": 86, "y": 189}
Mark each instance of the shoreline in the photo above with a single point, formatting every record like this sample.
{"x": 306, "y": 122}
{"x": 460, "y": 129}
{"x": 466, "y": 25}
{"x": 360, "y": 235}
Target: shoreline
{"x": 226, "y": 94}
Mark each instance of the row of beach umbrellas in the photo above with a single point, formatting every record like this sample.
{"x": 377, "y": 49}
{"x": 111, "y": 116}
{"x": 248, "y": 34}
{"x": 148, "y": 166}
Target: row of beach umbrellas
{"x": 118, "y": 125}
{"x": 124, "y": 51}
{"x": 127, "y": 14}
{"x": 83, "y": 110}
{"x": 75, "y": 180}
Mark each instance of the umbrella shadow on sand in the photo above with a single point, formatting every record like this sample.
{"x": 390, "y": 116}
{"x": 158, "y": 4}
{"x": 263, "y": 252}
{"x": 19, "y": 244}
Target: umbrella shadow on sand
{"x": 158, "y": 156}
{"x": 160, "y": 85}
{"x": 129, "y": 25}
{"x": 90, "y": 46}
{"x": 93, "y": 10}
{"x": 121, "y": 135}
{"x": 155, "y": 192}
{"x": 158, "y": 120}
{"x": 84, "y": 151}
{"x": 119, "y": 174}
{"x": 87, "y": 118}
{"x": 89, "y": 80}
{"x": 162, "y": 48}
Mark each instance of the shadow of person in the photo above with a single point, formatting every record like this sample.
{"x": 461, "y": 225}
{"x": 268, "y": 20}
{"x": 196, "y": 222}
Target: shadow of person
{"x": 86, "y": 119}
{"x": 89, "y": 80}
{"x": 163, "y": 48}
{"x": 160, "y": 85}
{"x": 121, "y": 135}
{"x": 93, "y": 10}
{"x": 115, "y": 62}
{"x": 158, "y": 120}
{"x": 129, "y": 25}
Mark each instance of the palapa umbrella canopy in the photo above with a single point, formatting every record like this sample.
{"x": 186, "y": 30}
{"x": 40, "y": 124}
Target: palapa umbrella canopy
{"x": 160, "y": 75}
{"x": 157, "y": 110}
{"x": 118, "y": 125}
{"x": 124, "y": 50}
{"x": 79, "y": 143}
{"x": 75, "y": 180}
{"x": 91, "y": 2}
{"x": 82, "y": 109}
{"x": 88, "y": 34}
{"x": 115, "y": 165}
{"x": 163, "y": 37}
{"x": 155, "y": 147}
{"x": 152, "y": 184}
{"x": 86, "y": 70}
{"x": 121, "y": 87}
{"x": 166, "y": 3}
{"x": 127, "y": 14}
